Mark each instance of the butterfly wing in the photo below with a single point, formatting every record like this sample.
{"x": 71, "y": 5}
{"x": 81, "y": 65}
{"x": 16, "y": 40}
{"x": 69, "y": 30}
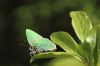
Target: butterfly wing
{"x": 46, "y": 44}
{"x": 32, "y": 37}
{"x": 39, "y": 42}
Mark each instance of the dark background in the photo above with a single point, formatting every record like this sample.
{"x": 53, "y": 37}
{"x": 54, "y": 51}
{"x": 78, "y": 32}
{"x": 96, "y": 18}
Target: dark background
{"x": 42, "y": 16}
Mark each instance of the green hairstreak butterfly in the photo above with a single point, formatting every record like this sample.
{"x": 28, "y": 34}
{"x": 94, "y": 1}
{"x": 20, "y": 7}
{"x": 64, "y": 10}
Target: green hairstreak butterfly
{"x": 38, "y": 43}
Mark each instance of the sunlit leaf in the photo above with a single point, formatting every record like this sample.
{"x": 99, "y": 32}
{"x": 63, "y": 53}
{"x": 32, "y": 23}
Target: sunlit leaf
{"x": 89, "y": 46}
{"x": 91, "y": 39}
{"x": 89, "y": 54}
{"x": 81, "y": 24}
{"x": 97, "y": 48}
{"x": 50, "y": 55}
{"x": 65, "y": 41}
{"x": 66, "y": 61}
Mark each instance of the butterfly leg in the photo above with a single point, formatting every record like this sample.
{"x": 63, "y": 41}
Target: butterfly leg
{"x": 39, "y": 50}
{"x": 32, "y": 51}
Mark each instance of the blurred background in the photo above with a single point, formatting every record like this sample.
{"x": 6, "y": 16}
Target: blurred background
{"x": 42, "y": 16}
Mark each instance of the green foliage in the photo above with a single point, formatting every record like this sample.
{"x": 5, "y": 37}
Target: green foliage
{"x": 87, "y": 52}
{"x": 60, "y": 39}
{"x": 97, "y": 48}
{"x": 81, "y": 24}
{"x": 66, "y": 61}
{"x": 49, "y": 55}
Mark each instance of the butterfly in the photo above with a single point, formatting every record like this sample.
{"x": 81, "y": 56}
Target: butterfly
{"x": 38, "y": 43}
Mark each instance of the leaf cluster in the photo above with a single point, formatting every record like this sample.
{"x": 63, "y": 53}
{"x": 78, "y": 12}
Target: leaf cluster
{"x": 88, "y": 51}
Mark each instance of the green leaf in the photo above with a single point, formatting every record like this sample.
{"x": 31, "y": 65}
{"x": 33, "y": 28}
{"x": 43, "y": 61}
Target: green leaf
{"x": 81, "y": 24}
{"x": 97, "y": 48}
{"x": 50, "y": 55}
{"x": 81, "y": 51}
{"x": 89, "y": 54}
{"x": 66, "y": 61}
{"x": 65, "y": 41}
{"x": 91, "y": 39}
{"x": 89, "y": 46}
